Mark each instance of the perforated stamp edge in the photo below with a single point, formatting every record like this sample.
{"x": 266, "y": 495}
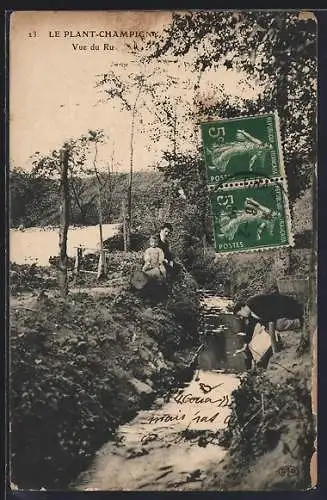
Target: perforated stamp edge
{"x": 249, "y": 117}
{"x": 286, "y": 214}
{"x": 232, "y": 184}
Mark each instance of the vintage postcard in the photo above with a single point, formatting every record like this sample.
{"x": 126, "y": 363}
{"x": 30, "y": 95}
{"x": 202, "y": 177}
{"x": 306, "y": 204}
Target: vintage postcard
{"x": 162, "y": 243}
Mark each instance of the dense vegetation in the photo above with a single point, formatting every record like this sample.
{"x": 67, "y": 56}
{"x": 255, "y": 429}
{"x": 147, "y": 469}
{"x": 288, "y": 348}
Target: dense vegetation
{"x": 35, "y": 199}
{"x": 271, "y": 431}
{"x": 77, "y": 369}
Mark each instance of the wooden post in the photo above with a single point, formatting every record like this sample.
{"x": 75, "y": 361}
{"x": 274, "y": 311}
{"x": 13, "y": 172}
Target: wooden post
{"x": 78, "y": 256}
{"x": 272, "y": 333}
{"x": 101, "y": 264}
{"x": 123, "y": 206}
{"x": 64, "y": 221}
{"x": 102, "y": 260}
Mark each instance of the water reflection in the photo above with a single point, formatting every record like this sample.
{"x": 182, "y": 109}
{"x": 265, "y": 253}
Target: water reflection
{"x": 220, "y": 341}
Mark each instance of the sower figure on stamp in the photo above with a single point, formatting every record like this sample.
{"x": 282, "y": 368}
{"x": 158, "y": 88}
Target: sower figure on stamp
{"x": 274, "y": 312}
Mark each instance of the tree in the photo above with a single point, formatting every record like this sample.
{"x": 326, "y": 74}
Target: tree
{"x": 95, "y": 137}
{"x": 33, "y": 200}
{"x": 64, "y": 219}
{"x": 132, "y": 91}
{"x": 109, "y": 186}
{"x": 114, "y": 87}
{"x": 184, "y": 176}
{"x": 278, "y": 50}
{"x": 56, "y": 165}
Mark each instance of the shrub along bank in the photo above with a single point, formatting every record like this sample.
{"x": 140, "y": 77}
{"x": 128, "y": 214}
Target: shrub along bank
{"x": 81, "y": 367}
{"x": 270, "y": 434}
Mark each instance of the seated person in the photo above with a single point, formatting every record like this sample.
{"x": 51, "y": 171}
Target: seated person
{"x": 173, "y": 269}
{"x": 154, "y": 260}
{"x": 163, "y": 242}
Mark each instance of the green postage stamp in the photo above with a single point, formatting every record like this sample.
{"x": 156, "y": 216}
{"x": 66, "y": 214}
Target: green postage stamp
{"x": 242, "y": 148}
{"x": 250, "y": 217}
{"x": 247, "y": 183}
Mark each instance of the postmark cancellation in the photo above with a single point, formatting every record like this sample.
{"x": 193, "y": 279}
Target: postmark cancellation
{"x": 247, "y": 183}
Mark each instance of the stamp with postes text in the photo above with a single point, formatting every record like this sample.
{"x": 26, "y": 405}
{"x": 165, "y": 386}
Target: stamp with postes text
{"x": 242, "y": 148}
{"x": 250, "y": 217}
{"x": 247, "y": 183}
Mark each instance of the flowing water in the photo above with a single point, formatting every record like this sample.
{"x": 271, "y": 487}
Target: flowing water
{"x": 169, "y": 446}
{"x": 218, "y": 333}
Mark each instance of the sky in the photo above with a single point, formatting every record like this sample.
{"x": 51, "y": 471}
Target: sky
{"x": 52, "y": 85}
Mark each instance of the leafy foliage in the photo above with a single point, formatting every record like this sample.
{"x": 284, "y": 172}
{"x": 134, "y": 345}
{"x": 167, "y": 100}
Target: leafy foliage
{"x": 49, "y": 406}
{"x": 35, "y": 199}
{"x": 278, "y": 50}
{"x": 71, "y": 365}
{"x": 30, "y": 277}
{"x": 32, "y": 199}
{"x": 258, "y": 424}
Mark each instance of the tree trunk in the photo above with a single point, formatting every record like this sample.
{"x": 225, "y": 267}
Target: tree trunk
{"x": 282, "y": 102}
{"x": 124, "y": 225}
{"x": 64, "y": 223}
{"x": 130, "y": 178}
{"x": 204, "y": 245}
{"x": 175, "y": 136}
{"x": 312, "y": 299}
{"x": 102, "y": 260}
{"x": 129, "y": 187}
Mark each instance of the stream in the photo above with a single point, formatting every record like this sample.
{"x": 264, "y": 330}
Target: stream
{"x": 169, "y": 446}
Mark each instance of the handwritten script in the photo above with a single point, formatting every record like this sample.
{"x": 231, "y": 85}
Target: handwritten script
{"x": 200, "y": 417}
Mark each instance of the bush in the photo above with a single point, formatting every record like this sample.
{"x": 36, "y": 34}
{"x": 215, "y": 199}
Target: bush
{"x": 209, "y": 271}
{"x": 54, "y": 261}
{"x": 30, "y": 277}
{"x": 262, "y": 413}
{"x": 252, "y": 277}
{"x": 63, "y": 392}
{"x": 138, "y": 242}
{"x": 71, "y": 363}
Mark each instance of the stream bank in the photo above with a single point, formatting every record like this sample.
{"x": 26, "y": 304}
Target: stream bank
{"x": 171, "y": 445}
{"x": 225, "y": 430}
{"x": 113, "y": 368}
{"x": 271, "y": 433}
{"x": 83, "y": 366}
